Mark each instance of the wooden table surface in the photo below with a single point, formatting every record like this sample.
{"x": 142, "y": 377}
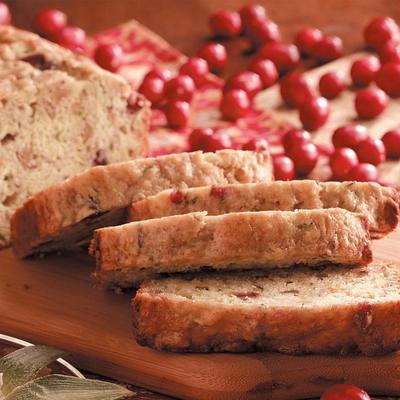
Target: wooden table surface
{"x": 184, "y": 23}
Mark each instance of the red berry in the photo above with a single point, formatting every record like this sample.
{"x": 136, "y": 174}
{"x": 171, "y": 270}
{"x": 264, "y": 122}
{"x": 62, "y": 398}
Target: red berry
{"x": 345, "y": 392}
{"x": 71, "y": 37}
{"x": 252, "y": 12}
{"x": 391, "y": 140}
{"x": 152, "y": 89}
{"x": 342, "y": 161}
{"x": 266, "y": 70}
{"x": 388, "y": 78}
{"x": 363, "y": 71}
{"x": 176, "y": 196}
{"x": 295, "y": 137}
{"x": 256, "y": 144}
{"x": 216, "y": 56}
{"x": 305, "y": 40}
{"x": 295, "y": 89}
{"x": 328, "y": 48}
{"x": 371, "y": 151}
{"x": 305, "y": 157}
{"x": 50, "y": 20}
{"x": 197, "y": 138}
{"x": 177, "y": 113}
{"x": 283, "y": 168}
{"x": 263, "y": 31}
{"x": 197, "y": 69}
{"x": 109, "y": 56}
{"x": 332, "y": 84}
{"x": 248, "y": 81}
{"x": 5, "y": 14}
{"x": 363, "y": 172}
{"x": 226, "y": 23}
{"x": 235, "y": 104}
{"x": 349, "y": 136}
{"x": 163, "y": 74}
{"x": 181, "y": 87}
{"x": 284, "y": 56}
{"x": 390, "y": 52}
{"x": 314, "y": 113}
{"x": 370, "y": 102}
{"x": 379, "y": 31}
{"x": 217, "y": 141}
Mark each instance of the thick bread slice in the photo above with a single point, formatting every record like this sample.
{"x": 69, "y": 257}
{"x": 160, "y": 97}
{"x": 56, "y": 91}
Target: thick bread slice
{"x": 379, "y": 204}
{"x": 60, "y": 115}
{"x": 129, "y": 253}
{"x": 66, "y": 214}
{"x": 329, "y": 310}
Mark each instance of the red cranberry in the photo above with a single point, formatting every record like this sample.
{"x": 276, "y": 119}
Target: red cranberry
{"x": 197, "y": 138}
{"x": 314, "y": 113}
{"x": 152, "y": 89}
{"x": 295, "y": 89}
{"x": 5, "y": 14}
{"x": 332, "y": 84}
{"x": 263, "y": 31}
{"x": 390, "y": 52}
{"x": 109, "y": 56}
{"x": 256, "y": 144}
{"x": 266, "y": 70}
{"x": 371, "y": 151}
{"x": 71, "y": 37}
{"x": 177, "y": 113}
{"x": 305, "y": 40}
{"x": 345, "y": 392}
{"x": 370, "y": 102}
{"x": 176, "y": 196}
{"x": 284, "y": 56}
{"x": 181, "y": 87}
{"x": 163, "y": 74}
{"x": 388, "y": 79}
{"x": 328, "y": 48}
{"x": 283, "y": 168}
{"x": 305, "y": 157}
{"x": 218, "y": 191}
{"x": 294, "y": 137}
{"x": 217, "y": 141}
{"x": 363, "y": 172}
{"x": 342, "y": 161}
{"x": 235, "y": 104}
{"x": 391, "y": 140}
{"x": 50, "y": 20}
{"x": 349, "y": 136}
{"x": 197, "y": 69}
{"x": 226, "y": 23}
{"x": 252, "y": 12}
{"x": 248, "y": 81}
{"x": 363, "y": 71}
{"x": 216, "y": 56}
{"x": 379, "y": 31}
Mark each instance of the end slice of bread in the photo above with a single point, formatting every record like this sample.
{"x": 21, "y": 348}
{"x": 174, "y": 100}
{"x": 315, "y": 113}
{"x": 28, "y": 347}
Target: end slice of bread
{"x": 329, "y": 310}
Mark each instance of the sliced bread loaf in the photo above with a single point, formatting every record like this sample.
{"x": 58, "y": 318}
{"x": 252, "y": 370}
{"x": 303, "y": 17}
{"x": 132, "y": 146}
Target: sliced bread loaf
{"x": 379, "y": 204}
{"x": 66, "y": 214}
{"x": 60, "y": 115}
{"x": 330, "y": 310}
{"x": 127, "y": 254}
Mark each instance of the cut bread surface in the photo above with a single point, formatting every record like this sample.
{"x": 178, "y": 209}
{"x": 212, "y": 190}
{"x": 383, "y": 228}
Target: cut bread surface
{"x": 66, "y": 214}
{"x": 327, "y": 310}
{"x": 379, "y": 204}
{"x": 129, "y": 253}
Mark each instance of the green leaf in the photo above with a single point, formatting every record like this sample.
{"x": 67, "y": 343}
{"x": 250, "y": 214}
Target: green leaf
{"x": 23, "y": 365}
{"x": 60, "y": 387}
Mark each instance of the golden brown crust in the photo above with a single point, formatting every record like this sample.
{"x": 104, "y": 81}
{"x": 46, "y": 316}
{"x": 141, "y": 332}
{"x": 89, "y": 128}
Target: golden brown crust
{"x": 68, "y": 205}
{"x": 266, "y": 239}
{"x": 361, "y": 326}
{"x": 379, "y": 204}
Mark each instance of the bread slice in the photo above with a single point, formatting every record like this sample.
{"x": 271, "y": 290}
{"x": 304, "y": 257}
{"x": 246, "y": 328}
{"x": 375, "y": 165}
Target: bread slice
{"x": 60, "y": 115}
{"x": 127, "y": 254}
{"x": 329, "y": 310}
{"x": 66, "y": 214}
{"x": 379, "y": 204}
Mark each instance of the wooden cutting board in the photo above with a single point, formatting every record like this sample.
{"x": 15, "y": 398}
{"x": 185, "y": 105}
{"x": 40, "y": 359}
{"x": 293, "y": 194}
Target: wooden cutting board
{"x": 52, "y": 301}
